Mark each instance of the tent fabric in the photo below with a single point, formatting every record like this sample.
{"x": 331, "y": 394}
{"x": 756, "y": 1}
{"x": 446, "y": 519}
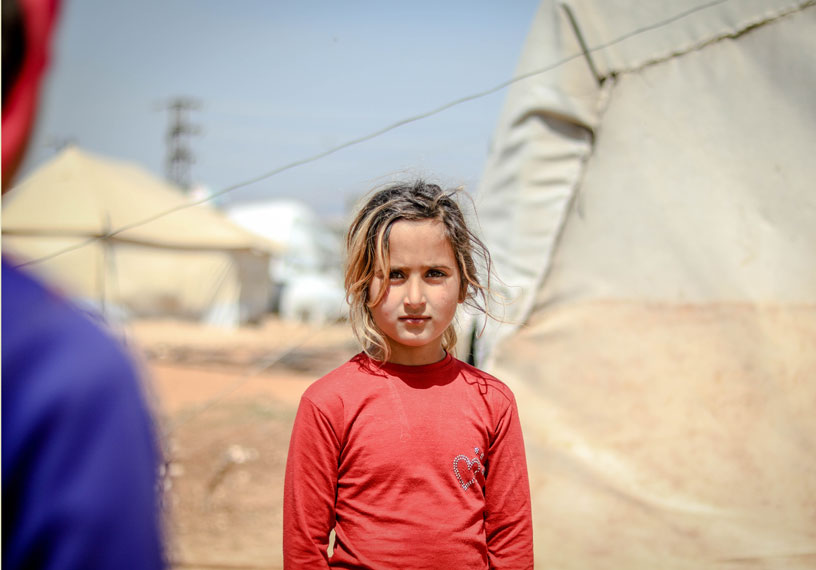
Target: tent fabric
{"x": 649, "y": 206}
{"x": 192, "y": 263}
{"x": 80, "y": 194}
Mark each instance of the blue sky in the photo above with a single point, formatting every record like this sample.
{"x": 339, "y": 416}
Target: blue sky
{"x": 281, "y": 81}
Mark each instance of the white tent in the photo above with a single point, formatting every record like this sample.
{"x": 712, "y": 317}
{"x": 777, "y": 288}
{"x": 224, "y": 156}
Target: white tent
{"x": 80, "y": 217}
{"x": 649, "y": 202}
{"x": 308, "y": 270}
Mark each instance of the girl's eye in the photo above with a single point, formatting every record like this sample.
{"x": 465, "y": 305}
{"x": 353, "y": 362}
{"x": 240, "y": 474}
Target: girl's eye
{"x": 395, "y": 275}
{"x": 436, "y": 273}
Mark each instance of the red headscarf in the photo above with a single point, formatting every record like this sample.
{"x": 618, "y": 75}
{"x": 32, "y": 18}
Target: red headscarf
{"x": 20, "y": 107}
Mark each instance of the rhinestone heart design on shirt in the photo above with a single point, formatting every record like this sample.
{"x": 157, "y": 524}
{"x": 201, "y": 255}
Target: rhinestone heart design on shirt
{"x": 469, "y": 471}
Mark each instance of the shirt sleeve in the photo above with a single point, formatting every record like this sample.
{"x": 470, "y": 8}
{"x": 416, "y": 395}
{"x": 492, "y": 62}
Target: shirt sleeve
{"x": 310, "y": 489}
{"x": 508, "y": 518}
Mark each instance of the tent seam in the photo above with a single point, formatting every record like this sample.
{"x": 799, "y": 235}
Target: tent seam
{"x": 745, "y": 29}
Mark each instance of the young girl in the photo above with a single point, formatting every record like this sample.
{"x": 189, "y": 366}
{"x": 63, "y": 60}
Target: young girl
{"x": 413, "y": 457}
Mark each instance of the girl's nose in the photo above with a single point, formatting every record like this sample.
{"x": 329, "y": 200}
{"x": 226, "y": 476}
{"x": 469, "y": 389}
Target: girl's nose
{"x": 414, "y": 295}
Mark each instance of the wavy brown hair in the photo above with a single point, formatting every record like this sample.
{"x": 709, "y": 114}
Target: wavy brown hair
{"x": 367, "y": 253}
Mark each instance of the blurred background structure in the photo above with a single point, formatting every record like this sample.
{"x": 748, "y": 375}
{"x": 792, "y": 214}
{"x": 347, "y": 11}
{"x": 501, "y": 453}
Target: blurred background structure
{"x": 307, "y": 275}
{"x": 647, "y": 195}
{"x": 75, "y": 214}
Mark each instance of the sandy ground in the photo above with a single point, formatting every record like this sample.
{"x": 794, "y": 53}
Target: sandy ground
{"x": 225, "y": 402}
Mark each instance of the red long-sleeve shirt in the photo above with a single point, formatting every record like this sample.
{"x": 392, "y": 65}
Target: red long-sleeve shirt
{"x": 413, "y": 466}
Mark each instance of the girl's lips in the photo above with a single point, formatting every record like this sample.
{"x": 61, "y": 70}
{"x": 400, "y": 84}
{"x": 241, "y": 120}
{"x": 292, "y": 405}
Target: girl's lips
{"x": 414, "y": 320}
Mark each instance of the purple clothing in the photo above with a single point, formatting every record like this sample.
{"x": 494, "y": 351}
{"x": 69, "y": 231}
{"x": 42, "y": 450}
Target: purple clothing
{"x": 79, "y": 451}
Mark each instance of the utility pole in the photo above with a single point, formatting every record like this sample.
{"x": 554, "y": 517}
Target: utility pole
{"x": 179, "y": 156}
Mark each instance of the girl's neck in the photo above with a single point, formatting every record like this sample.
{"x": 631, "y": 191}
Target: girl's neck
{"x": 416, "y": 356}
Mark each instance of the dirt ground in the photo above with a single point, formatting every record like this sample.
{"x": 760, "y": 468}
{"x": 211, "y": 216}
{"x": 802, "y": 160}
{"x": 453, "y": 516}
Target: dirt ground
{"x": 225, "y": 402}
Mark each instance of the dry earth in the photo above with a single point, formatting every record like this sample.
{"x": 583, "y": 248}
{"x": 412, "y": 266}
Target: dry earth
{"x": 225, "y": 402}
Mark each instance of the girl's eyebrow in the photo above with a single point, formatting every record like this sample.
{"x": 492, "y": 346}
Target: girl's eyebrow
{"x": 429, "y": 266}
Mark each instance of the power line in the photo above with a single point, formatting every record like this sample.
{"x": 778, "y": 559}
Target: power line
{"x": 303, "y": 161}
{"x": 382, "y": 131}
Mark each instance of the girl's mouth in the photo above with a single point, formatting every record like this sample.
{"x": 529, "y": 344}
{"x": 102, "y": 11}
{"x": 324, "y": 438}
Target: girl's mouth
{"x": 414, "y": 320}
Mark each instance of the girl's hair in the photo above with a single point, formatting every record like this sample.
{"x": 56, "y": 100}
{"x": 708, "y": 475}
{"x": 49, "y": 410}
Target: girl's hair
{"x": 367, "y": 253}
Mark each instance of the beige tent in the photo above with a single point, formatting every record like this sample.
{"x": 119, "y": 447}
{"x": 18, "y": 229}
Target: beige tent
{"x": 650, "y": 205}
{"x": 80, "y": 216}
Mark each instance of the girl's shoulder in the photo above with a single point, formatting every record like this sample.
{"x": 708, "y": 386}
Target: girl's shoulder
{"x": 342, "y": 380}
{"x": 486, "y": 382}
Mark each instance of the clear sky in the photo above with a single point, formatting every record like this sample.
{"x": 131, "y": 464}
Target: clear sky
{"x": 283, "y": 80}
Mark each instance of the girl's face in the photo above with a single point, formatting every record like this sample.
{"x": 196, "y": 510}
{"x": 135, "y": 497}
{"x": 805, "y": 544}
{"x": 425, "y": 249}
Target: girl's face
{"x": 421, "y": 300}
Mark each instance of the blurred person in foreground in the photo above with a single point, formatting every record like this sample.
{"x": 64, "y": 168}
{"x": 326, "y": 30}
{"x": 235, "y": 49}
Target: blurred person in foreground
{"x": 79, "y": 455}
